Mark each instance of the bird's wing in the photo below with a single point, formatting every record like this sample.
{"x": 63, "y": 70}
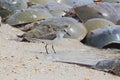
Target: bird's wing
{"x": 49, "y": 36}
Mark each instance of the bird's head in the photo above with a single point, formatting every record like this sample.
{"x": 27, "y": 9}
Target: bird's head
{"x": 65, "y": 30}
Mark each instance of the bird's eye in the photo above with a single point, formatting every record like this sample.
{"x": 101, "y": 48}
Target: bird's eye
{"x": 66, "y": 26}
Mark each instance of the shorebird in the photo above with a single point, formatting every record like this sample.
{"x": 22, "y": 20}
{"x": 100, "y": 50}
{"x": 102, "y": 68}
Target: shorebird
{"x": 54, "y": 36}
{"x": 47, "y": 34}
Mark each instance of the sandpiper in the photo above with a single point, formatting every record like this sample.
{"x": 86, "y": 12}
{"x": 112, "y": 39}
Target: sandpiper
{"x": 55, "y": 36}
{"x": 47, "y": 34}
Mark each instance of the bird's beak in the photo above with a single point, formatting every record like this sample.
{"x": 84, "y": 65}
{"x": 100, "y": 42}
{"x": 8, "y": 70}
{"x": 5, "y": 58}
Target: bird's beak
{"x": 67, "y": 33}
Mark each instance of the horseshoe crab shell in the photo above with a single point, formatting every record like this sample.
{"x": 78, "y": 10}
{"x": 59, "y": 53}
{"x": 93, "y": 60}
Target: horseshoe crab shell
{"x": 28, "y": 15}
{"x": 56, "y": 9}
{"x": 4, "y": 13}
{"x": 75, "y": 29}
{"x": 75, "y": 2}
{"x": 117, "y": 7}
{"x": 110, "y": 65}
{"x": 101, "y": 10}
{"x": 40, "y": 1}
{"x": 7, "y": 7}
{"x": 104, "y": 37}
{"x": 112, "y": 1}
{"x": 95, "y": 23}
{"x": 13, "y": 5}
{"x": 105, "y": 65}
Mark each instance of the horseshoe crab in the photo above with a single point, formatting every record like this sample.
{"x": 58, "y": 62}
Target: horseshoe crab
{"x": 7, "y": 7}
{"x": 112, "y": 1}
{"x": 28, "y": 15}
{"x": 75, "y": 29}
{"x": 56, "y": 9}
{"x": 117, "y": 7}
{"x": 109, "y": 65}
{"x": 75, "y": 2}
{"x": 4, "y": 13}
{"x": 13, "y": 4}
{"x": 101, "y": 10}
{"x": 104, "y": 37}
{"x": 40, "y": 1}
{"x": 95, "y": 23}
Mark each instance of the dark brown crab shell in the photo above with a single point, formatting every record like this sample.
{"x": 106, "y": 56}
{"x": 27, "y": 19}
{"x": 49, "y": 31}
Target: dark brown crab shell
{"x": 101, "y": 10}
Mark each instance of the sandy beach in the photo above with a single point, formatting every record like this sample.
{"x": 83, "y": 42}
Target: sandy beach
{"x": 29, "y": 61}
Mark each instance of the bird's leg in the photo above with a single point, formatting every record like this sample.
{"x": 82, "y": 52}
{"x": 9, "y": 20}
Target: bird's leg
{"x": 0, "y": 21}
{"x": 46, "y": 49}
{"x": 53, "y": 49}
